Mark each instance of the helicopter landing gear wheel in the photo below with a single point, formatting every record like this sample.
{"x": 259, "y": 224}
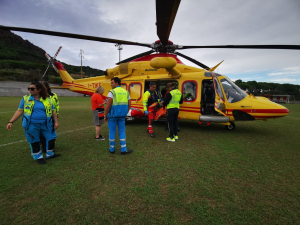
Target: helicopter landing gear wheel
{"x": 230, "y": 127}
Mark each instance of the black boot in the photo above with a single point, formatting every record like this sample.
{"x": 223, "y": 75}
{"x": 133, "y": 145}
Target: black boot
{"x": 41, "y": 161}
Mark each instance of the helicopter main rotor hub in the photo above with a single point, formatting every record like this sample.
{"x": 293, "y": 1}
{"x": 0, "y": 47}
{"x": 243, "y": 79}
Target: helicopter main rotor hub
{"x": 159, "y": 47}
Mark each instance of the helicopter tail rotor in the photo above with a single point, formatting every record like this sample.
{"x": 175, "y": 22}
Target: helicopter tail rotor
{"x": 57, "y": 52}
{"x": 51, "y": 61}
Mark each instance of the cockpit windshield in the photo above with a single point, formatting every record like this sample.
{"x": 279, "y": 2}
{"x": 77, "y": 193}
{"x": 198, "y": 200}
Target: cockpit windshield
{"x": 232, "y": 91}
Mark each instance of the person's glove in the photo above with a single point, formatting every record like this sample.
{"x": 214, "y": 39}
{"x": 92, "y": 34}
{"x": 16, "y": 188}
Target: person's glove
{"x": 146, "y": 112}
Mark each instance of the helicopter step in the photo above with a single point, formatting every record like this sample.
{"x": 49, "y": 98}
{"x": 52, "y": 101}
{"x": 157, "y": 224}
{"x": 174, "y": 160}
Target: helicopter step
{"x": 216, "y": 119}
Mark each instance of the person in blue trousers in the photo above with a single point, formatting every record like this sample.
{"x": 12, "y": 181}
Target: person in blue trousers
{"x": 38, "y": 115}
{"x": 117, "y": 107}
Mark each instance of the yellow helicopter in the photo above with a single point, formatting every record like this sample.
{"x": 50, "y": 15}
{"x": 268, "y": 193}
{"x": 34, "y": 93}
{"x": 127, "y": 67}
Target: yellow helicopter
{"x": 208, "y": 96}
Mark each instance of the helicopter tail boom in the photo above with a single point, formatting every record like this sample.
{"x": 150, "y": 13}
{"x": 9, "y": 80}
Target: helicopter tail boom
{"x": 65, "y": 76}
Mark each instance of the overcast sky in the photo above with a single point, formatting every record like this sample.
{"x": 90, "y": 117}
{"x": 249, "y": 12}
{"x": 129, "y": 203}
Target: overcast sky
{"x": 198, "y": 22}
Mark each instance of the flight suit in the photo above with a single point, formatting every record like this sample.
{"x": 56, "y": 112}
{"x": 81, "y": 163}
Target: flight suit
{"x": 33, "y": 130}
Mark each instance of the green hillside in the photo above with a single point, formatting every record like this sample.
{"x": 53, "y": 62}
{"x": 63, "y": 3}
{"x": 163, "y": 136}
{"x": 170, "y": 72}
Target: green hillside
{"x": 20, "y": 60}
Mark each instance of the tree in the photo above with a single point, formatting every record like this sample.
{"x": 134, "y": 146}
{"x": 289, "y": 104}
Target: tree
{"x": 239, "y": 81}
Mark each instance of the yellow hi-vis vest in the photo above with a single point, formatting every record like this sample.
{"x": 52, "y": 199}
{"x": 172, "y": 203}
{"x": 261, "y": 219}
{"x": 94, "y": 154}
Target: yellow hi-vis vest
{"x": 28, "y": 107}
{"x": 55, "y": 102}
{"x": 176, "y": 97}
{"x": 119, "y": 107}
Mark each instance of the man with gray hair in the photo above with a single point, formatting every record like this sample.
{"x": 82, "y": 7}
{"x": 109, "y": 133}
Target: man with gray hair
{"x": 150, "y": 97}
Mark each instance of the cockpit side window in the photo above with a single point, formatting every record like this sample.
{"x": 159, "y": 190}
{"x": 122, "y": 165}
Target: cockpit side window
{"x": 189, "y": 89}
{"x": 232, "y": 91}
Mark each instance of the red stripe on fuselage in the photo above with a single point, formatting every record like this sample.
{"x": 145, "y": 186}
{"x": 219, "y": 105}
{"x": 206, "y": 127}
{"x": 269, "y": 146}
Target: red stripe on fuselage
{"x": 189, "y": 107}
{"x": 77, "y": 86}
{"x": 184, "y": 110}
{"x": 261, "y": 110}
{"x": 85, "y": 92}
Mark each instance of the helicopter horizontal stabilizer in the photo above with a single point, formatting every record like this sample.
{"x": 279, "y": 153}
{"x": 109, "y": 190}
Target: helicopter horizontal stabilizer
{"x": 215, "y": 67}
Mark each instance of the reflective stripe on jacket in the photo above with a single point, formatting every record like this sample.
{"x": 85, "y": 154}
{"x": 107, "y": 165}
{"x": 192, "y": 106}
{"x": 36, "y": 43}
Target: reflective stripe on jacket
{"x": 119, "y": 107}
{"x": 55, "y": 102}
{"x": 176, "y": 97}
{"x": 149, "y": 98}
{"x": 28, "y": 107}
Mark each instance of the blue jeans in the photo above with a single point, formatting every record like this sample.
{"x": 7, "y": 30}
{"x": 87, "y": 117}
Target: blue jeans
{"x": 112, "y": 125}
{"x": 33, "y": 137}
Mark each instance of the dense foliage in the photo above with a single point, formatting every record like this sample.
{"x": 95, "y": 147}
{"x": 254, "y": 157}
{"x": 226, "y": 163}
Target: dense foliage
{"x": 22, "y": 61}
{"x": 263, "y": 88}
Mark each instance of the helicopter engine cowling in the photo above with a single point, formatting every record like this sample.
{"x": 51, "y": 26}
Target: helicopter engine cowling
{"x": 166, "y": 62}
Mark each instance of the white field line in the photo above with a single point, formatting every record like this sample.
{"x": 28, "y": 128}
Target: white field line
{"x": 57, "y": 134}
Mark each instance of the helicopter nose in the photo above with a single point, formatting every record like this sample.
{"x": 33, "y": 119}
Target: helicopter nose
{"x": 263, "y": 108}
{"x": 276, "y": 111}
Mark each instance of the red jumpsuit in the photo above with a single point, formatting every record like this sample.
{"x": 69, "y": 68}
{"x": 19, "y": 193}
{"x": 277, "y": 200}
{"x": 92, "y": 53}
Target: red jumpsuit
{"x": 150, "y": 100}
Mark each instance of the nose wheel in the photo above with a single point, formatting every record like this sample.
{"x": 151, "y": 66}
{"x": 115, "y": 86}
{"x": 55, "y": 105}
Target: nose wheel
{"x": 230, "y": 127}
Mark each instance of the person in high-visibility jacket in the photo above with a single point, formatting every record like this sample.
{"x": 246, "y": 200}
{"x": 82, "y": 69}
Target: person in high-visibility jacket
{"x": 117, "y": 107}
{"x": 150, "y": 97}
{"x": 55, "y": 102}
{"x": 38, "y": 115}
{"x": 172, "y": 101}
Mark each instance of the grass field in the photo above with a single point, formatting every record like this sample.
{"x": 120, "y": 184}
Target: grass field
{"x": 209, "y": 176}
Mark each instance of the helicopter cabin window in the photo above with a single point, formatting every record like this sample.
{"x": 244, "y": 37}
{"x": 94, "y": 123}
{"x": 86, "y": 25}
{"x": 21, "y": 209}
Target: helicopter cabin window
{"x": 124, "y": 86}
{"x": 189, "y": 89}
{"x": 218, "y": 89}
{"x": 161, "y": 86}
{"x": 135, "y": 91}
{"x": 232, "y": 91}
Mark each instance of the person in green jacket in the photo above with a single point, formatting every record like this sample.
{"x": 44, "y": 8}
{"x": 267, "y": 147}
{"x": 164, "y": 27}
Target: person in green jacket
{"x": 172, "y": 101}
{"x": 55, "y": 102}
{"x": 150, "y": 97}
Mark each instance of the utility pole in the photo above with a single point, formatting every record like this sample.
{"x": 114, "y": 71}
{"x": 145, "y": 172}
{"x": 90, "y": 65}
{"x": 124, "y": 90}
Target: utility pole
{"x": 120, "y": 47}
{"x": 82, "y": 57}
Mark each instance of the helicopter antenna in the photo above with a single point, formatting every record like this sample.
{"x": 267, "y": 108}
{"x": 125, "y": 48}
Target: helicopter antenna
{"x": 80, "y": 54}
{"x": 120, "y": 47}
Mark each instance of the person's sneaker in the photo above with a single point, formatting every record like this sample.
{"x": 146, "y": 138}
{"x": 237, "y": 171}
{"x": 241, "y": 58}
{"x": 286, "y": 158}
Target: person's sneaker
{"x": 176, "y": 137}
{"x": 100, "y": 138}
{"x": 170, "y": 139}
{"x": 41, "y": 161}
{"x": 127, "y": 152}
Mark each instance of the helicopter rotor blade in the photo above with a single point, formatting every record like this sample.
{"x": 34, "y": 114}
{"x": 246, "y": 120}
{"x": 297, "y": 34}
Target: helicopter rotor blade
{"x": 48, "y": 56}
{"x": 57, "y": 52}
{"x": 135, "y": 57}
{"x": 165, "y": 15}
{"x": 291, "y": 47}
{"x": 46, "y": 69}
{"x": 76, "y": 36}
{"x": 193, "y": 60}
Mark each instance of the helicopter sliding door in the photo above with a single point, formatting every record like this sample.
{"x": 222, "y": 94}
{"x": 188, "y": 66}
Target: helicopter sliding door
{"x": 219, "y": 97}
